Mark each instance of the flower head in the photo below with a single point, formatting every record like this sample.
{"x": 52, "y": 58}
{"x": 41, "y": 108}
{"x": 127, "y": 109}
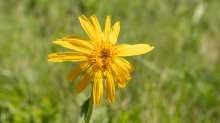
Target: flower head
{"x": 101, "y": 56}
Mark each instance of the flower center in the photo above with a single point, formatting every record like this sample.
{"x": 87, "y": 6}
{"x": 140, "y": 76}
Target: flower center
{"x": 104, "y": 55}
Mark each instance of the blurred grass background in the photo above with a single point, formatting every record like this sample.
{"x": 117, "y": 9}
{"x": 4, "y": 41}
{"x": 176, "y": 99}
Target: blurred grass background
{"x": 176, "y": 82}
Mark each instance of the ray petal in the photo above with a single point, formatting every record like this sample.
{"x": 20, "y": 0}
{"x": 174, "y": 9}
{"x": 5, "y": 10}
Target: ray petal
{"x": 120, "y": 75}
{"x": 96, "y": 24}
{"x": 106, "y": 30}
{"x": 67, "y": 56}
{"x": 98, "y": 88}
{"x": 92, "y": 33}
{"x": 81, "y": 46}
{"x": 114, "y": 32}
{"x": 131, "y": 50}
{"x": 125, "y": 64}
{"x": 85, "y": 80}
{"x": 110, "y": 87}
{"x": 83, "y": 42}
{"x": 77, "y": 71}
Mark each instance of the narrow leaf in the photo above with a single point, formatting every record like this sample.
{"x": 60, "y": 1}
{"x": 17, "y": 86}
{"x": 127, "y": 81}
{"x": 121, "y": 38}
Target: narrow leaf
{"x": 84, "y": 109}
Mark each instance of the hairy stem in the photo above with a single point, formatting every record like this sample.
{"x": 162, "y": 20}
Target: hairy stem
{"x": 91, "y": 108}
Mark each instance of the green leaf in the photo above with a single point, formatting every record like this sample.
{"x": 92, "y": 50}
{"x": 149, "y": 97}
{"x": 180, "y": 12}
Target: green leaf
{"x": 84, "y": 109}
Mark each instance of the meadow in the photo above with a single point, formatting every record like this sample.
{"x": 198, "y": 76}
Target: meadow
{"x": 177, "y": 82}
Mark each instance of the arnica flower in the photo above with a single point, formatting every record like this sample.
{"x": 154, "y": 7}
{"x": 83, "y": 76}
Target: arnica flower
{"x": 101, "y": 56}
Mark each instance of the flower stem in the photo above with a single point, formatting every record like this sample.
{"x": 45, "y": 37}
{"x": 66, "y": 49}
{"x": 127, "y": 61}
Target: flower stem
{"x": 91, "y": 108}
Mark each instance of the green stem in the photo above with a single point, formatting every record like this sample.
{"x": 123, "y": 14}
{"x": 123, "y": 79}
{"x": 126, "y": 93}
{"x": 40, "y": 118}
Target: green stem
{"x": 91, "y": 108}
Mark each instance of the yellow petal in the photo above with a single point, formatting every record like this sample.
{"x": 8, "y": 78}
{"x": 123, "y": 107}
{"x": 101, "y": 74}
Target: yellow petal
{"x": 106, "y": 30}
{"x": 76, "y": 43}
{"x": 89, "y": 29}
{"x": 114, "y": 32}
{"x": 77, "y": 38}
{"x": 98, "y": 88}
{"x": 110, "y": 87}
{"x": 120, "y": 84}
{"x": 121, "y": 71}
{"x": 96, "y": 24}
{"x": 77, "y": 71}
{"x": 130, "y": 50}
{"x": 80, "y": 41}
{"x": 67, "y": 56}
{"x": 121, "y": 76}
{"x": 85, "y": 80}
{"x": 119, "y": 81}
{"x": 125, "y": 64}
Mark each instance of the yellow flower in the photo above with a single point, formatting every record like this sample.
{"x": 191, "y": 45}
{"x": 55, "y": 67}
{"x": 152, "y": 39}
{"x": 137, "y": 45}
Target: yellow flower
{"x": 101, "y": 56}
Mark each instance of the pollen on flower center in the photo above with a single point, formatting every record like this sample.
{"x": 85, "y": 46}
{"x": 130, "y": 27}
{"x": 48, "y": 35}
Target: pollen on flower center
{"x": 104, "y": 55}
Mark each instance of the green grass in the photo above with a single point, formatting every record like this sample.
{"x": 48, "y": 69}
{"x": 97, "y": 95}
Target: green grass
{"x": 176, "y": 82}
